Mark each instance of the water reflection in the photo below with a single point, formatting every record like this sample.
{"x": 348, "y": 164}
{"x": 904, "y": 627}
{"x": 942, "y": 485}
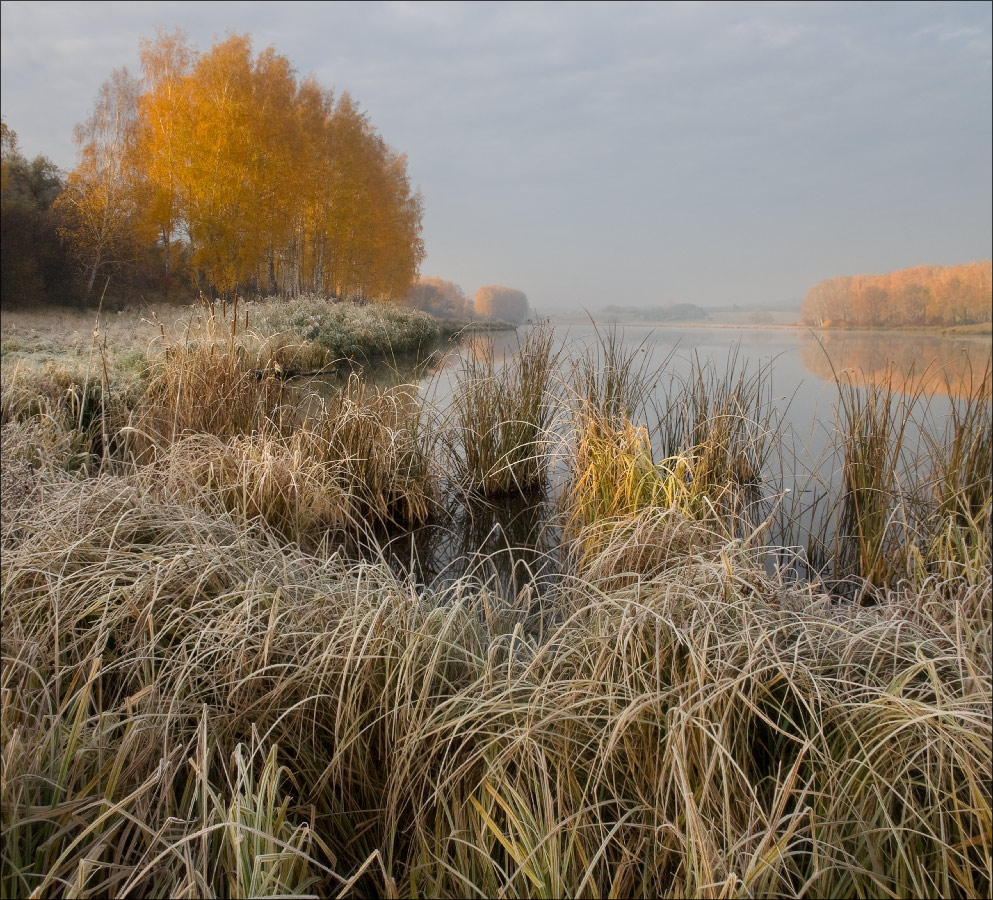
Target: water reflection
{"x": 508, "y": 545}
{"x": 911, "y": 363}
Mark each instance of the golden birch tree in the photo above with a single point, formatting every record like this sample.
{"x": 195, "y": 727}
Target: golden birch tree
{"x": 101, "y": 201}
{"x": 269, "y": 184}
{"x": 165, "y": 65}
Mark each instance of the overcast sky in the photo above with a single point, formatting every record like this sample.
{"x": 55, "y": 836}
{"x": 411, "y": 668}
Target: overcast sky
{"x": 591, "y": 154}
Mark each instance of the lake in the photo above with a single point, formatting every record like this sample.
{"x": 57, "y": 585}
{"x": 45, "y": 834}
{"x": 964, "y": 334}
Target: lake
{"x": 517, "y": 539}
{"x": 798, "y": 363}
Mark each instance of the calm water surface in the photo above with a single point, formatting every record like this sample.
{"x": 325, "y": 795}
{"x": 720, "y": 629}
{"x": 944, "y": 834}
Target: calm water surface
{"x": 512, "y": 538}
{"x": 798, "y": 363}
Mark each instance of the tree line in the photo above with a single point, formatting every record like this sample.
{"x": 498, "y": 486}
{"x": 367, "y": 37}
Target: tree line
{"x": 922, "y": 295}
{"x": 34, "y": 261}
{"x": 446, "y": 300}
{"x": 222, "y": 171}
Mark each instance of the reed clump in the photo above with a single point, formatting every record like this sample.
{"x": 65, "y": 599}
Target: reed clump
{"x": 209, "y": 387}
{"x": 958, "y": 510}
{"x": 206, "y": 692}
{"x": 615, "y": 475}
{"x": 192, "y": 709}
{"x": 355, "y": 462}
{"x": 913, "y": 493}
{"x": 873, "y": 420}
{"x": 724, "y": 418}
{"x": 613, "y": 468}
{"x": 386, "y": 442}
{"x": 705, "y": 458}
{"x": 502, "y": 415}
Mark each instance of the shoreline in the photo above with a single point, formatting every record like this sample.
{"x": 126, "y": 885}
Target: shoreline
{"x": 945, "y": 332}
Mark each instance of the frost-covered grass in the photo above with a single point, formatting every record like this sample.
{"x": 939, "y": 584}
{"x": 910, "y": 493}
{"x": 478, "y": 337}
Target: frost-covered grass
{"x": 309, "y": 333}
{"x": 213, "y": 685}
{"x": 305, "y": 333}
{"x": 192, "y": 707}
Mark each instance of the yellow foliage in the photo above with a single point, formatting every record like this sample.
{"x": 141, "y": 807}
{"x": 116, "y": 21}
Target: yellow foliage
{"x": 269, "y": 183}
{"x": 494, "y": 301}
{"x": 922, "y": 295}
{"x": 100, "y": 205}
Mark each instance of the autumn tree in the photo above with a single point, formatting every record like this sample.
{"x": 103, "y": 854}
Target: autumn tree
{"x": 273, "y": 184}
{"x": 494, "y": 301}
{"x": 441, "y": 298}
{"x": 362, "y": 232}
{"x": 216, "y": 149}
{"x": 165, "y": 64}
{"x": 260, "y": 181}
{"x": 101, "y": 202}
{"x": 922, "y": 295}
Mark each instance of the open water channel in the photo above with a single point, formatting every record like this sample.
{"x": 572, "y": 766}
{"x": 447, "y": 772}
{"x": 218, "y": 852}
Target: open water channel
{"x": 516, "y": 541}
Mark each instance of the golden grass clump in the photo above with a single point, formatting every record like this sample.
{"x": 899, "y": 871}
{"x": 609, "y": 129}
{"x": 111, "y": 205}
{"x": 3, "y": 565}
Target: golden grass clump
{"x": 192, "y": 709}
{"x": 615, "y": 475}
{"x": 502, "y": 416}
{"x": 355, "y": 463}
{"x": 705, "y": 458}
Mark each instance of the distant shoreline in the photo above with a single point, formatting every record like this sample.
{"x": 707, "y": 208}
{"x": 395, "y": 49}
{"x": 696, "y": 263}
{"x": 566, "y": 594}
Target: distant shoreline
{"x": 981, "y": 330}
{"x": 664, "y": 323}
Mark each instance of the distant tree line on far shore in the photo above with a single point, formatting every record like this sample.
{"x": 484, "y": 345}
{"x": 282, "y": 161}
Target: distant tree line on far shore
{"x": 919, "y": 296}
{"x": 670, "y": 312}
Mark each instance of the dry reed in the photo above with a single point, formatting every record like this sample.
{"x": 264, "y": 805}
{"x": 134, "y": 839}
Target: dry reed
{"x": 190, "y": 709}
{"x": 502, "y": 416}
{"x": 195, "y": 705}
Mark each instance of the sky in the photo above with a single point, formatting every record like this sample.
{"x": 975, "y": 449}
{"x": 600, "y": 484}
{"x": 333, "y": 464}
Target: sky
{"x": 633, "y": 154}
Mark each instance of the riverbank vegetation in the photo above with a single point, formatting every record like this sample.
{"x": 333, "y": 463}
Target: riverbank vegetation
{"x": 218, "y": 171}
{"x": 292, "y": 337}
{"x": 932, "y": 296}
{"x": 494, "y": 301}
{"x": 217, "y": 680}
